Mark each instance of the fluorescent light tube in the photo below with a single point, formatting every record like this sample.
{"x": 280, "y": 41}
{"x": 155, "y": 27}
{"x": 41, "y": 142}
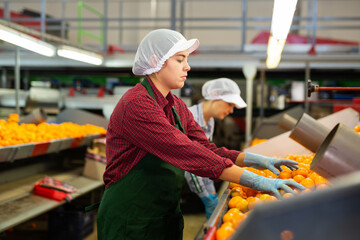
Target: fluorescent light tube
{"x": 25, "y": 41}
{"x": 282, "y": 17}
{"x": 274, "y": 50}
{"x": 80, "y": 55}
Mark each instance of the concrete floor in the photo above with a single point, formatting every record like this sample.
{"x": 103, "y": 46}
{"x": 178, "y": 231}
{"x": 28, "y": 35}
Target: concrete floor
{"x": 192, "y": 224}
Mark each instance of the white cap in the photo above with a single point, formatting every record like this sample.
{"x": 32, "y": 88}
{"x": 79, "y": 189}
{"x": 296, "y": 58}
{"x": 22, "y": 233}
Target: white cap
{"x": 157, "y": 47}
{"x": 223, "y": 89}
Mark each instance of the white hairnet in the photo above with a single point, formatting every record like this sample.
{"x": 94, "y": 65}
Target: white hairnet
{"x": 223, "y": 89}
{"x": 157, "y": 47}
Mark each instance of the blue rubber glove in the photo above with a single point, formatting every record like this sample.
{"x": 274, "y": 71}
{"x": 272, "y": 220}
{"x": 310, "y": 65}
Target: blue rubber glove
{"x": 260, "y": 183}
{"x": 273, "y": 164}
{"x": 209, "y": 205}
{"x": 215, "y": 198}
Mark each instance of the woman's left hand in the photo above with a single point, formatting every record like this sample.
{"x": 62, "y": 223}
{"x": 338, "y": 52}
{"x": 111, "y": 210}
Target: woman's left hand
{"x": 263, "y": 162}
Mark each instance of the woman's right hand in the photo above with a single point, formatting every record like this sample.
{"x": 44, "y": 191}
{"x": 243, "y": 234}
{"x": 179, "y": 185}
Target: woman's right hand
{"x": 260, "y": 183}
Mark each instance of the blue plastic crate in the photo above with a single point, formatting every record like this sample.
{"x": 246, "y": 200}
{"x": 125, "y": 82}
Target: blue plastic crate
{"x": 70, "y": 224}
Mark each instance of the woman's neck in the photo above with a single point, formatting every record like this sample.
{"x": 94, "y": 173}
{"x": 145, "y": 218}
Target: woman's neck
{"x": 207, "y": 111}
{"x": 162, "y": 89}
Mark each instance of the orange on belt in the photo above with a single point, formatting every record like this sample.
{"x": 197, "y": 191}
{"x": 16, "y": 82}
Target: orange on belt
{"x": 244, "y": 199}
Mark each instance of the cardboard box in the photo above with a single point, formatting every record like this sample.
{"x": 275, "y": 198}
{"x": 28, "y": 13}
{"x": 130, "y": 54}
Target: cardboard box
{"x": 94, "y": 169}
{"x": 99, "y": 145}
{"x": 95, "y": 160}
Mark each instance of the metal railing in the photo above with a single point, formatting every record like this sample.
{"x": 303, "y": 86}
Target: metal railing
{"x": 177, "y": 20}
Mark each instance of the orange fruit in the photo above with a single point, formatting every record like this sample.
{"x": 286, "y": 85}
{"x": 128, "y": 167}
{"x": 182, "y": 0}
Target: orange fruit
{"x": 290, "y": 157}
{"x": 298, "y": 178}
{"x": 321, "y": 186}
{"x": 299, "y": 159}
{"x": 233, "y": 201}
{"x": 286, "y": 169}
{"x": 256, "y": 141}
{"x": 285, "y": 175}
{"x": 271, "y": 198}
{"x": 237, "y": 219}
{"x": 228, "y": 216}
{"x": 263, "y": 196}
{"x": 262, "y": 173}
{"x": 304, "y": 165}
{"x": 13, "y": 117}
{"x": 242, "y": 205}
{"x": 224, "y": 233}
{"x": 320, "y": 180}
{"x": 233, "y": 185}
{"x": 357, "y": 129}
{"x": 233, "y": 210}
{"x": 270, "y": 174}
{"x": 308, "y": 183}
{"x": 250, "y": 192}
{"x": 305, "y": 191}
{"x": 252, "y": 202}
{"x": 313, "y": 175}
{"x": 237, "y": 191}
{"x": 253, "y": 170}
{"x": 288, "y": 195}
{"x": 307, "y": 161}
{"x": 227, "y": 224}
{"x": 266, "y": 197}
{"x": 300, "y": 171}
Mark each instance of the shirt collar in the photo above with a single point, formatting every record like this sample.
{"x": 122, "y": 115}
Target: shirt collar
{"x": 160, "y": 99}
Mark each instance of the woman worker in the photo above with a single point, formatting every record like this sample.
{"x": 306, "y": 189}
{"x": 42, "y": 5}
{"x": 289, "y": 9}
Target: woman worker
{"x": 221, "y": 96}
{"x": 152, "y": 138}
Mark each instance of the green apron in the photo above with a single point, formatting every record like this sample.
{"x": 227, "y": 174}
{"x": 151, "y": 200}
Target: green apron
{"x": 145, "y": 203}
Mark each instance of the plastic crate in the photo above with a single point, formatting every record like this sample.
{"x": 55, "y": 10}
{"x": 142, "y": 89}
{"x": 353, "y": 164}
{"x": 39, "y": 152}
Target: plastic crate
{"x": 70, "y": 224}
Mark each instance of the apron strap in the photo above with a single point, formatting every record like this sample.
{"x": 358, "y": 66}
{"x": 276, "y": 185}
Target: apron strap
{"x": 92, "y": 207}
{"x": 146, "y": 84}
{"x": 177, "y": 120}
{"x": 148, "y": 88}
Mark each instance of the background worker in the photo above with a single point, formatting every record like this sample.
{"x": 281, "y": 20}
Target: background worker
{"x": 221, "y": 96}
{"x": 152, "y": 138}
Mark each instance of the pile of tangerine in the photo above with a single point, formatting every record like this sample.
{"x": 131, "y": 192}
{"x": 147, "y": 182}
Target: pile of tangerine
{"x": 244, "y": 199}
{"x": 11, "y": 133}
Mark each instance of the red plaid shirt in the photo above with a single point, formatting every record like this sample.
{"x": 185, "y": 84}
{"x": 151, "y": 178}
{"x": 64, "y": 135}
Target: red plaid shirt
{"x": 139, "y": 125}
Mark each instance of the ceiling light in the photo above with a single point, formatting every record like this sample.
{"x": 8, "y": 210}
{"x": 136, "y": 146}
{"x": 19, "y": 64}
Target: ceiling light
{"x": 80, "y": 55}
{"x": 282, "y": 17}
{"x": 25, "y": 41}
{"x": 274, "y": 50}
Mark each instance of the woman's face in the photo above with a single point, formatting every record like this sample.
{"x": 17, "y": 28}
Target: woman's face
{"x": 174, "y": 71}
{"x": 221, "y": 109}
